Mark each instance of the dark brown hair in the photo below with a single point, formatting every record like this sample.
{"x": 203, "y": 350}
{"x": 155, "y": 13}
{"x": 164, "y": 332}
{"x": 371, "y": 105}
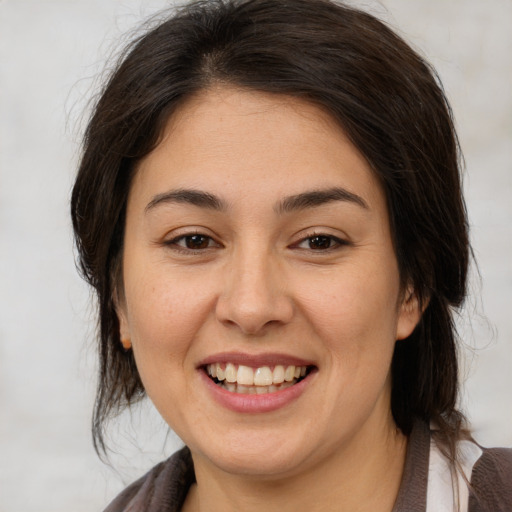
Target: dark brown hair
{"x": 387, "y": 99}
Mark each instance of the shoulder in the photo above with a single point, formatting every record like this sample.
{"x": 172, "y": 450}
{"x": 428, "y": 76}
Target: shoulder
{"x": 431, "y": 482}
{"x": 491, "y": 481}
{"x": 162, "y": 489}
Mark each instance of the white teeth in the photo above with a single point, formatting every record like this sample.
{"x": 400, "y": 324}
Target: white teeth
{"x": 230, "y": 372}
{"x": 251, "y": 390}
{"x": 245, "y": 375}
{"x": 289, "y": 373}
{"x": 278, "y": 374}
{"x": 263, "y": 376}
{"x": 244, "y": 379}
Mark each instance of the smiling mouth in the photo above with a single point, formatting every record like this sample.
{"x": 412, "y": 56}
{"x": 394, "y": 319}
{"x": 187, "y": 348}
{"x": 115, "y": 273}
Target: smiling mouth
{"x": 265, "y": 379}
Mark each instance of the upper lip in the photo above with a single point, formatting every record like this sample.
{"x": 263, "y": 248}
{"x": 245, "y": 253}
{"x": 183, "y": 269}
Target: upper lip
{"x": 255, "y": 360}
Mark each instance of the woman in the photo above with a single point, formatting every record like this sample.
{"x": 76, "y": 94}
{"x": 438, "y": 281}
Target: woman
{"x": 269, "y": 208}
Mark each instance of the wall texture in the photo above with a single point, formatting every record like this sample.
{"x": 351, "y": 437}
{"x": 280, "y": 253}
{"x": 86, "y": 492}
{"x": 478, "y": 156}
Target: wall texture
{"x": 51, "y": 52}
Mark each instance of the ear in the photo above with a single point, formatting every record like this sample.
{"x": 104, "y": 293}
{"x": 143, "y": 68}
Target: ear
{"x": 124, "y": 328}
{"x": 409, "y": 314}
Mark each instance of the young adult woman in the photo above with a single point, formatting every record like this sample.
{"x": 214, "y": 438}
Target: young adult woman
{"x": 269, "y": 208}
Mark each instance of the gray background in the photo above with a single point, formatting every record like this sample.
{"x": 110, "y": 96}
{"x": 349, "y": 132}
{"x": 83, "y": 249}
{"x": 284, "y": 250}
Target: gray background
{"x": 51, "y": 52}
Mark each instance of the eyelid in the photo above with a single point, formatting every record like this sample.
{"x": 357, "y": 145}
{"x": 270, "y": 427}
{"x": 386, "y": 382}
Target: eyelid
{"x": 173, "y": 241}
{"x": 182, "y": 237}
{"x": 338, "y": 241}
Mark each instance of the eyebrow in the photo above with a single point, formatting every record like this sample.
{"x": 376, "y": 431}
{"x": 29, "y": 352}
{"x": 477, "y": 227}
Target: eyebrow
{"x": 188, "y": 196}
{"x": 302, "y": 201}
{"x": 316, "y": 198}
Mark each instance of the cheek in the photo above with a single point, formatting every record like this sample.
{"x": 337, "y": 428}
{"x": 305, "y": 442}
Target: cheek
{"x": 354, "y": 315}
{"x": 165, "y": 311}
{"x": 355, "y": 306}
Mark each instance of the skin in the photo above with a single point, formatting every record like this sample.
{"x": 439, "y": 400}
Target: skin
{"x": 258, "y": 283}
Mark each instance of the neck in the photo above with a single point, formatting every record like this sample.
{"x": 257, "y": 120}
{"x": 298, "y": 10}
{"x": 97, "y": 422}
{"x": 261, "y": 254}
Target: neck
{"x": 364, "y": 476}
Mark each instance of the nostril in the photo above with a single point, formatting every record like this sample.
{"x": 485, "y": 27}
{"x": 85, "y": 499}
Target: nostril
{"x": 254, "y": 303}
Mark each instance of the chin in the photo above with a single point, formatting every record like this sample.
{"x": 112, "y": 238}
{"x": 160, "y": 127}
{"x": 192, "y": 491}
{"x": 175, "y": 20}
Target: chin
{"x": 257, "y": 454}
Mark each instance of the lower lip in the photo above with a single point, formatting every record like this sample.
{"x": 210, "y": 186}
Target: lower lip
{"x": 267, "y": 402}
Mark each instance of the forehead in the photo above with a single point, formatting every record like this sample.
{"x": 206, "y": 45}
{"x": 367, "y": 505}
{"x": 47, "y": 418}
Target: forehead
{"x": 224, "y": 138}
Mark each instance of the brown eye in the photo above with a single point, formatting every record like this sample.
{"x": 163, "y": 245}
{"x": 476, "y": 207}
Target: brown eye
{"x": 319, "y": 242}
{"x": 192, "y": 242}
{"x": 195, "y": 242}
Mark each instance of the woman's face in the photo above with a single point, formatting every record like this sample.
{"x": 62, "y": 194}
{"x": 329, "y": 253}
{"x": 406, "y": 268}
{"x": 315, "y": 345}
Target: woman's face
{"x": 257, "y": 240}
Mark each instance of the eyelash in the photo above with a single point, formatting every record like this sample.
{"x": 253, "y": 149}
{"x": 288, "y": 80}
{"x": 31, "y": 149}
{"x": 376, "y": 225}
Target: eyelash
{"x": 174, "y": 243}
{"x": 333, "y": 241}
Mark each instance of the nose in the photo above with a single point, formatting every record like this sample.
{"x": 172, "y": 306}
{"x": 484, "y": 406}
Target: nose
{"x": 254, "y": 294}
